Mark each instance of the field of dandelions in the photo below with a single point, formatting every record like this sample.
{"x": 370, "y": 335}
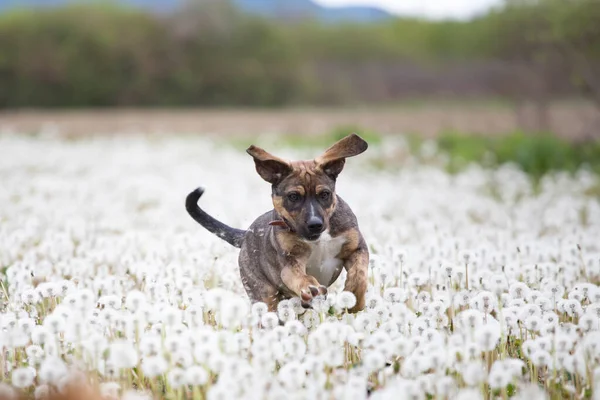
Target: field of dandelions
{"x": 481, "y": 286}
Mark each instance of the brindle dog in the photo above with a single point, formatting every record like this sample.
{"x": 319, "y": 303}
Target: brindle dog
{"x": 299, "y": 247}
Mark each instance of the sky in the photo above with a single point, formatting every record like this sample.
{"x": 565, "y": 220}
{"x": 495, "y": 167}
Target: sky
{"x": 433, "y": 9}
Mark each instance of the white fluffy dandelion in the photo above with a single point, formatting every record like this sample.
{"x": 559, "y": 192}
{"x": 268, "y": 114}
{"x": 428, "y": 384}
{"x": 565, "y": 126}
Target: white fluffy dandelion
{"x": 52, "y": 370}
{"x": 270, "y": 320}
{"x": 346, "y": 300}
{"x": 123, "y": 354}
{"x": 23, "y": 377}
{"x": 196, "y": 376}
{"x": 154, "y": 366}
{"x": 106, "y": 278}
{"x": 176, "y": 378}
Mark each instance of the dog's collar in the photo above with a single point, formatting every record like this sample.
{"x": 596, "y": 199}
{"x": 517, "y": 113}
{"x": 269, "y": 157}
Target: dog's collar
{"x": 278, "y": 222}
{"x": 282, "y": 223}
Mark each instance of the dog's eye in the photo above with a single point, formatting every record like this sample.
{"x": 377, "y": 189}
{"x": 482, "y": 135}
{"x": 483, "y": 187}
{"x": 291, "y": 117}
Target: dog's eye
{"x": 325, "y": 195}
{"x": 293, "y": 197}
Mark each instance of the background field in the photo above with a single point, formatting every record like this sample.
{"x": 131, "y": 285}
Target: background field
{"x": 479, "y": 199}
{"x": 483, "y": 279}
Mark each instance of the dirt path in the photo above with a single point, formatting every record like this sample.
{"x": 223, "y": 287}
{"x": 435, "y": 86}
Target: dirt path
{"x": 568, "y": 120}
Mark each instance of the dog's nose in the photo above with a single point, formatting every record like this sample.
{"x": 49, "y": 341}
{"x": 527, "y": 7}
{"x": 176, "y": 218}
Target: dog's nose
{"x": 315, "y": 225}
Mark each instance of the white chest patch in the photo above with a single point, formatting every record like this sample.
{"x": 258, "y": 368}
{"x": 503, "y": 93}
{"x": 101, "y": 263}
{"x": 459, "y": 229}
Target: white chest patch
{"x": 322, "y": 262}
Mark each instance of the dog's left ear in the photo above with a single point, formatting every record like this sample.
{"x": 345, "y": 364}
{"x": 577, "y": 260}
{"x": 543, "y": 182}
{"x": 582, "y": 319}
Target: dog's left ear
{"x": 333, "y": 159}
{"x": 271, "y": 168}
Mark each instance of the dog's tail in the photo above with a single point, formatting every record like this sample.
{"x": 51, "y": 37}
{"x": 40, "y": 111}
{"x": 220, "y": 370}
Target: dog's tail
{"x": 234, "y": 237}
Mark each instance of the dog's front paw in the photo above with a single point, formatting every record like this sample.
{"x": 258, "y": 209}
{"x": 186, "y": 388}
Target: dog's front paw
{"x": 311, "y": 292}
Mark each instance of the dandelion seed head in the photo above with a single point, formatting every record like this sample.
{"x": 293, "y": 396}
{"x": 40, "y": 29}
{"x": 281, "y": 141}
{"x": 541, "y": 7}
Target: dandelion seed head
{"x": 154, "y": 366}
{"x": 104, "y": 279}
{"x": 346, "y": 300}
{"x": 23, "y": 377}
{"x": 270, "y": 320}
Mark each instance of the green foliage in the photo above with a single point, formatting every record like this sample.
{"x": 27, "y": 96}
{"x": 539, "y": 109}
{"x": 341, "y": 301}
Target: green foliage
{"x": 535, "y": 153}
{"x": 511, "y": 390}
{"x": 97, "y": 54}
{"x": 552, "y": 34}
{"x": 405, "y": 38}
{"x": 104, "y": 56}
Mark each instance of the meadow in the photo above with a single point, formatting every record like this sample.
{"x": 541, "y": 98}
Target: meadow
{"x": 483, "y": 275}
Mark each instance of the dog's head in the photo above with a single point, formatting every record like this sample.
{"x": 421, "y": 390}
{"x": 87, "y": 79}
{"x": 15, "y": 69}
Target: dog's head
{"x": 304, "y": 191}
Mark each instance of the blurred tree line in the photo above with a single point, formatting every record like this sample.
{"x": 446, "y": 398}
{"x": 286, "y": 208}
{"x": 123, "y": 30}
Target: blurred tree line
{"x": 211, "y": 55}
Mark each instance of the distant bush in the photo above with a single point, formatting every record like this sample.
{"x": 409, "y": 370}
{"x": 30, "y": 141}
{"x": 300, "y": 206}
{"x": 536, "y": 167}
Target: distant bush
{"x": 535, "y": 153}
{"x": 211, "y": 55}
{"x": 104, "y": 56}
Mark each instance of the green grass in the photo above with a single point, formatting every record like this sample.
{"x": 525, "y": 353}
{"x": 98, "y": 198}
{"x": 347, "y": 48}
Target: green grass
{"x": 535, "y": 153}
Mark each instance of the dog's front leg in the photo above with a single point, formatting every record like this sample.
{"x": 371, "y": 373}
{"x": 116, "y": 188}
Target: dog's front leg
{"x": 355, "y": 255}
{"x": 302, "y": 285}
{"x": 357, "y": 265}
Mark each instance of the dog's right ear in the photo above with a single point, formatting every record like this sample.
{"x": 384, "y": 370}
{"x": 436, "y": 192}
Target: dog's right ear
{"x": 272, "y": 169}
{"x": 332, "y": 161}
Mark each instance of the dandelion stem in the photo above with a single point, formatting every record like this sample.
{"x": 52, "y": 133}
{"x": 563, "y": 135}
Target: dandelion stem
{"x": 467, "y": 275}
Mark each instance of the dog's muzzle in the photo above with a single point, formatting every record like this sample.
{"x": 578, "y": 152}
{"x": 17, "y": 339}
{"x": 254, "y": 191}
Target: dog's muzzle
{"x": 315, "y": 227}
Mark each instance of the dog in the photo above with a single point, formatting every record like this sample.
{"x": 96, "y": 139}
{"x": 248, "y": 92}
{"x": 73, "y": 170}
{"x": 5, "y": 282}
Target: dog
{"x": 298, "y": 249}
